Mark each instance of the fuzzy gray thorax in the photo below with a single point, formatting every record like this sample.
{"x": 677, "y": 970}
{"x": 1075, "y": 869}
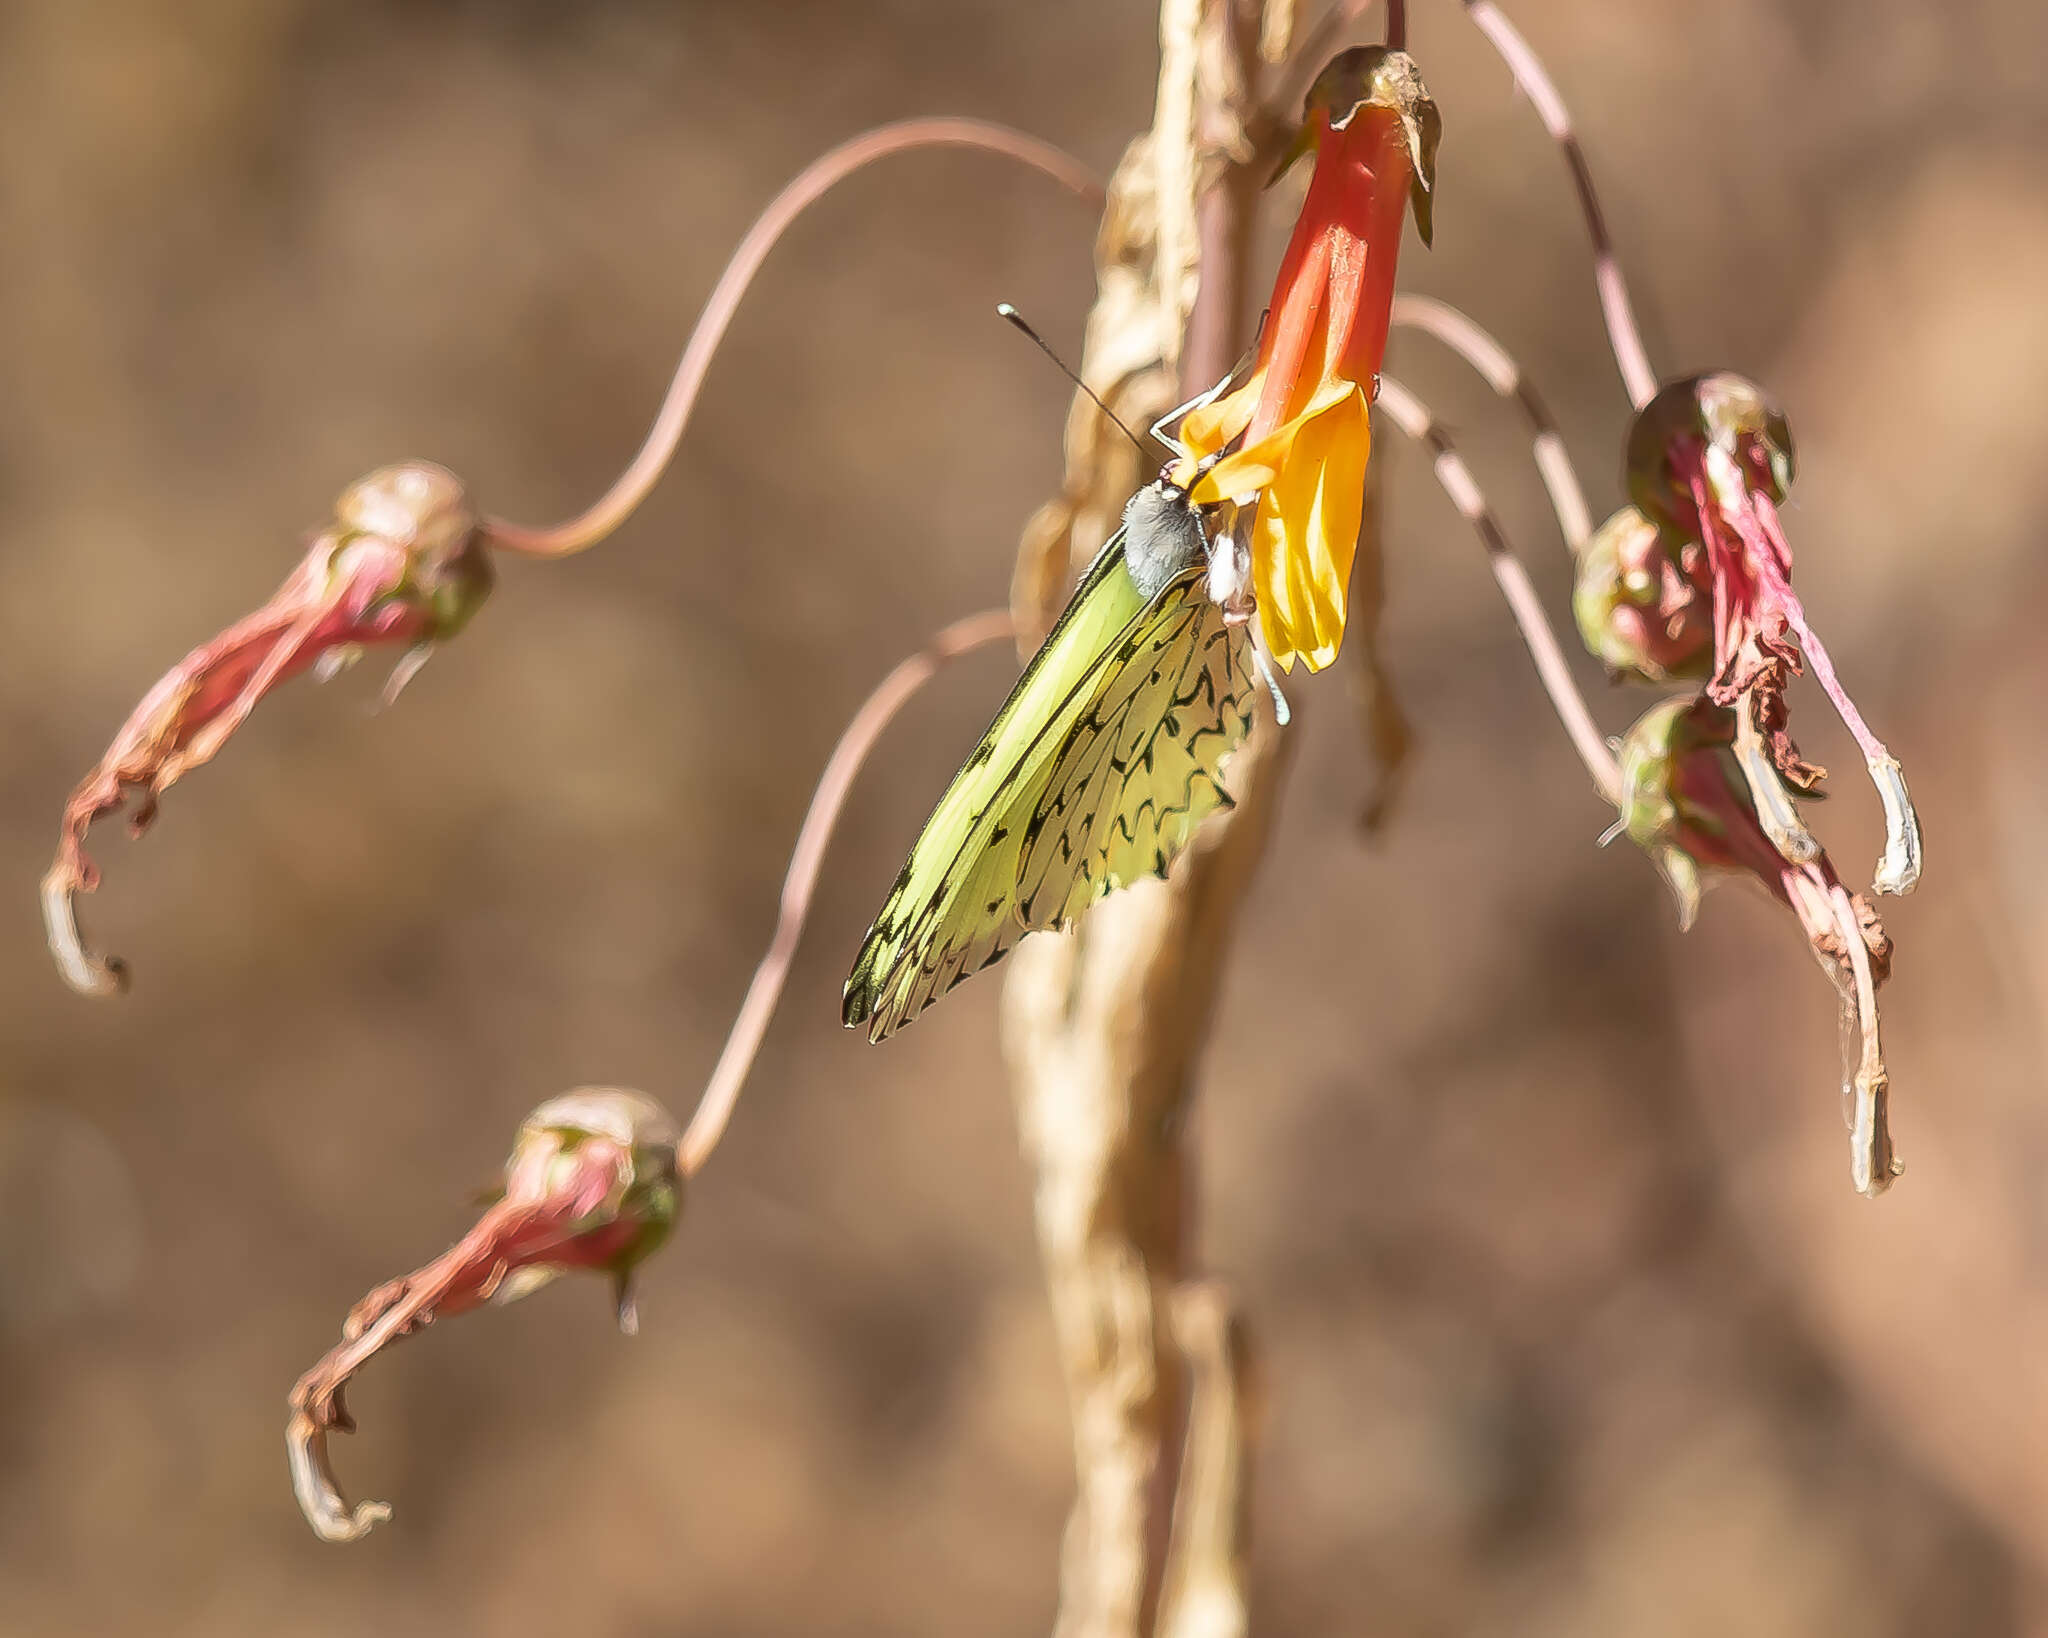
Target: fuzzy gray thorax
{"x": 1163, "y": 537}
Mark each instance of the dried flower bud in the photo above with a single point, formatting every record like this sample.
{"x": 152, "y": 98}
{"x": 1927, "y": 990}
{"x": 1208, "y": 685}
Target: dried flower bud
{"x": 1692, "y": 803}
{"x": 1746, "y": 436}
{"x": 1642, "y": 602}
{"x": 403, "y": 563}
{"x": 1679, "y": 806}
{"x": 592, "y": 1184}
{"x": 1709, "y": 460}
{"x": 607, "y": 1157}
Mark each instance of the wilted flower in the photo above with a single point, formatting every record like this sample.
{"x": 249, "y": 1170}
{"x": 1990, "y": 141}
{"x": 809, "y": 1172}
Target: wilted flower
{"x": 1689, "y": 803}
{"x": 1642, "y": 603}
{"x": 1303, "y": 414}
{"x": 1710, "y": 459}
{"x": 403, "y": 562}
{"x": 591, "y": 1184}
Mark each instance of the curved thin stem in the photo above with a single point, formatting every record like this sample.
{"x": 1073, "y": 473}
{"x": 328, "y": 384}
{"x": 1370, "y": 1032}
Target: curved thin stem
{"x": 817, "y": 178}
{"x": 1504, "y": 375}
{"x": 1412, "y": 416}
{"x": 1627, "y": 340}
{"x": 722, "y": 1091}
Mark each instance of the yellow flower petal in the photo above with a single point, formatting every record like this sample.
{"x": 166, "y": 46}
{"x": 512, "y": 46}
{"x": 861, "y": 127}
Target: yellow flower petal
{"x": 1238, "y": 476}
{"x": 1306, "y": 532}
{"x": 1209, "y": 428}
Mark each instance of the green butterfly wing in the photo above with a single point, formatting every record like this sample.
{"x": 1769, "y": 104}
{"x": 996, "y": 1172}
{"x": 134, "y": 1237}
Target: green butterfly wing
{"x": 1095, "y": 773}
{"x": 1140, "y": 771}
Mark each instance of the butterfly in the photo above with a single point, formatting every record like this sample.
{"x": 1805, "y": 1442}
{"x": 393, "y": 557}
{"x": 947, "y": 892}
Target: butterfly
{"x": 1097, "y": 770}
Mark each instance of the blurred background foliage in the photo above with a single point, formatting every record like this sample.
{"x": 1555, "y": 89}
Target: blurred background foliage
{"x": 1570, "y": 1322}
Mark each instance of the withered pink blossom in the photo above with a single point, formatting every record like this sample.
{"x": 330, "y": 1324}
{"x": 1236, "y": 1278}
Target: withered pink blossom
{"x": 403, "y": 563}
{"x": 1710, "y": 460}
{"x": 592, "y": 1184}
{"x": 1693, "y": 806}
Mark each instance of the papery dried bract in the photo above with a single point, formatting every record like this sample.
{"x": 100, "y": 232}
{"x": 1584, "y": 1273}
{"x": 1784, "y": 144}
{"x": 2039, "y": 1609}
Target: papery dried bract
{"x": 1691, "y": 803}
{"x": 592, "y": 1184}
{"x": 403, "y": 563}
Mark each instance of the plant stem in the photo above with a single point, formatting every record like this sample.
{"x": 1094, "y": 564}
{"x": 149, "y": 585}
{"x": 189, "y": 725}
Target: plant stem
{"x": 1104, "y": 1026}
{"x": 1630, "y": 357}
{"x": 1412, "y": 416}
{"x": 1478, "y": 349}
{"x": 721, "y": 1092}
{"x": 813, "y": 182}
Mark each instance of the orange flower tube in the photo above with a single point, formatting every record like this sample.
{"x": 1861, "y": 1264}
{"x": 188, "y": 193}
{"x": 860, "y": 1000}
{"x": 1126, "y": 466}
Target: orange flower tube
{"x": 1303, "y": 415}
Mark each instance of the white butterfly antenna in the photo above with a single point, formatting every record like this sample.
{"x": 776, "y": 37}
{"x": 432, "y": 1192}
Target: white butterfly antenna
{"x": 1005, "y": 311}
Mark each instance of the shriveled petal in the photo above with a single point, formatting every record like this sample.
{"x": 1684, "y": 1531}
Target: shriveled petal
{"x": 593, "y": 1182}
{"x": 404, "y": 561}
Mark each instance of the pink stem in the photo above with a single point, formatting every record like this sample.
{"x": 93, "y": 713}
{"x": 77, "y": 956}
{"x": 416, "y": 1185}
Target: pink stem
{"x": 1810, "y": 644}
{"x": 1478, "y": 349}
{"x": 1412, "y": 416}
{"x": 1629, "y": 354}
{"x": 1898, "y": 868}
{"x": 714, "y": 1109}
{"x": 813, "y": 181}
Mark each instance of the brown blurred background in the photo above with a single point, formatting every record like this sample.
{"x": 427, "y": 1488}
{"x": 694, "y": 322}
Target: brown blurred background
{"x": 1569, "y": 1320}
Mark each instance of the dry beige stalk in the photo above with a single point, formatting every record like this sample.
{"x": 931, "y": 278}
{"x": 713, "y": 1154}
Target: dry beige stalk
{"x": 1205, "y": 1573}
{"x": 1103, "y": 1027}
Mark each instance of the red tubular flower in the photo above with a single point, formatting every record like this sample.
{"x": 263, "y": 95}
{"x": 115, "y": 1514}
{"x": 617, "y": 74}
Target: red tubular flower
{"x": 1302, "y": 416}
{"x": 591, "y": 1184}
{"x": 403, "y": 562}
{"x": 1710, "y": 459}
{"x": 1692, "y": 802}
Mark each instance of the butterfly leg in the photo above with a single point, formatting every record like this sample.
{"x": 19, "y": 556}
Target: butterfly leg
{"x": 1229, "y": 588}
{"x": 1174, "y": 417}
